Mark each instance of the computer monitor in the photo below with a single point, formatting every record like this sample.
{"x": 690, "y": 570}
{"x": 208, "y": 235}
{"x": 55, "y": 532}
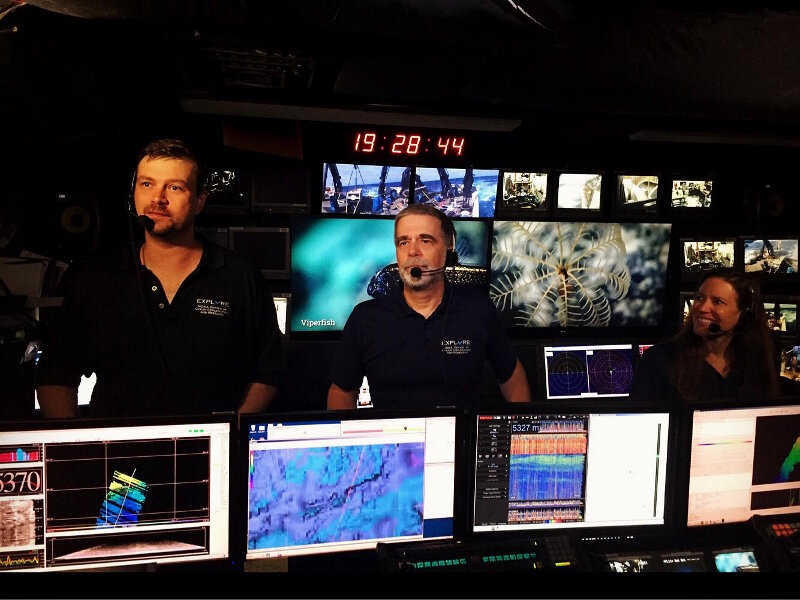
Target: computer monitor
{"x": 343, "y": 481}
{"x": 588, "y": 370}
{"x": 743, "y": 462}
{"x": 544, "y": 469}
{"x": 771, "y": 257}
{"x": 571, "y": 274}
{"x": 691, "y": 193}
{"x": 83, "y": 495}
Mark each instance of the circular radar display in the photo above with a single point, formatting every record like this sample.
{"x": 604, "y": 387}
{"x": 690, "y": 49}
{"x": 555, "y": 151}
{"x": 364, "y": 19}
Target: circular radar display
{"x": 566, "y": 374}
{"x": 610, "y": 371}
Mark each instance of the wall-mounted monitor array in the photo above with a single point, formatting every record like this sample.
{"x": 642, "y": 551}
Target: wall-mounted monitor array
{"x": 588, "y": 370}
{"x": 387, "y": 190}
{"x": 338, "y": 262}
{"x": 80, "y": 495}
{"x": 574, "y": 274}
{"x": 332, "y": 482}
{"x": 550, "y": 470}
{"x": 744, "y": 461}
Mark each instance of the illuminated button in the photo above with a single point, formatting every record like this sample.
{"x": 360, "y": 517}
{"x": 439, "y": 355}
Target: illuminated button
{"x": 154, "y": 288}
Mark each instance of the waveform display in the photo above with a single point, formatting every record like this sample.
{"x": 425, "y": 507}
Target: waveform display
{"x": 81, "y": 476}
{"x": 32, "y": 453}
{"x": 123, "y": 502}
{"x": 546, "y": 514}
{"x": 546, "y": 476}
{"x": 303, "y": 496}
{"x": 776, "y": 451}
{"x": 567, "y": 443}
{"x": 562, "y": 425}
{"x": 10, "y": 561}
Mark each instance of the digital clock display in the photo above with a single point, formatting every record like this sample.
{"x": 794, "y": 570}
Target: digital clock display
{"x": 409, "y": 144}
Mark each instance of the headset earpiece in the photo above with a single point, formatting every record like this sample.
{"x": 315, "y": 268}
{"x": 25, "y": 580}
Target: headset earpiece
{"x": 451, "y": 258}
{"x": 748, "y": 315}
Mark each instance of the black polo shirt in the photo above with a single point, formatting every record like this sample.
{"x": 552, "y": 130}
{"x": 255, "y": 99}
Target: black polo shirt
{"x": 653, "y": 379}
{"x": 414, "y": 362}
{"x": 195, "y": 355}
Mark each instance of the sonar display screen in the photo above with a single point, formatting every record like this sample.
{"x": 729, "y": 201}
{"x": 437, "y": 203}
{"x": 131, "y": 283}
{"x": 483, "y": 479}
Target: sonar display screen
{"x": 588, "y": 371}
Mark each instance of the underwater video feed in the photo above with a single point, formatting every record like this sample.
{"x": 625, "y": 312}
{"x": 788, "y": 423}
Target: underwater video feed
{"x": 557, "y": 274}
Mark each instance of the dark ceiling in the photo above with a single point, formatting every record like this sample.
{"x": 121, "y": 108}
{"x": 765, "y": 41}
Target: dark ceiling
{"x": 603, "y": 69}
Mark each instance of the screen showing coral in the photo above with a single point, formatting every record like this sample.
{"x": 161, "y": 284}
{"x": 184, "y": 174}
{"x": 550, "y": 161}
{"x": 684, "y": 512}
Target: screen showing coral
{"x": 557, "y": 274}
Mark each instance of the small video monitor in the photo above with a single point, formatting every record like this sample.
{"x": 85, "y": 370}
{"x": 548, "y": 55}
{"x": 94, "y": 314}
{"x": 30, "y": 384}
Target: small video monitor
{"x": 546, "y": 470}
{"x": 735, "y": 560}
{"x": 115, "y": 494}
{"x": 689, "y": 561}
{"x": 770, "y": 256}
{"x": 229, "y": 191}
{"x": 588, "y": 370}
{"x": 579, "y": 191}
{"x": 789, "y": 360}
{"x": 526, "y": 191}
{"x": 465, "y": 193}
{"x": 702, "y": 254}
{"x": 320, "y": 483}
{"x": 637, "y": 193}
{"x": 687, "y": 299}
{"x": 691, "y": 193}
{"x": 364, "y": 189}
{"x": 781, "y": 314}
{"x": 280, "y": 188}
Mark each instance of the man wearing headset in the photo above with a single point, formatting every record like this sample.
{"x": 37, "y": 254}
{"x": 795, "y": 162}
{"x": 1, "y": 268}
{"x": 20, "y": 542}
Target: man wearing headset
{"x": 424, "y": 345}
{"x": 174, "y": 326}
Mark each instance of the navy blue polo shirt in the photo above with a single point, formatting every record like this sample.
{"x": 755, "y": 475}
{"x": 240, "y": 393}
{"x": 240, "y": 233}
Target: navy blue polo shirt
{"x": 194, "y": 355}
{"x": 414, "y": 362}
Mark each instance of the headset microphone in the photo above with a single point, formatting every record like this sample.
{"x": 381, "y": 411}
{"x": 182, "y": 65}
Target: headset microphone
{"x": 416, "y": 272}
{"x": 145, "y": 222}
{"x": 715, "y": 328}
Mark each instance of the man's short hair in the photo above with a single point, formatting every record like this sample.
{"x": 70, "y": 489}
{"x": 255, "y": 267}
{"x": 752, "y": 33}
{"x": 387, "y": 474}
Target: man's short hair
{"x": 448, "y": 229}
{"x": 173, "y": 148}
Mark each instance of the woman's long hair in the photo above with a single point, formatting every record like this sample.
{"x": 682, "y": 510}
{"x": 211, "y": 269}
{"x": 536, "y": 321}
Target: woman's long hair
{"x": 750, "y": 354}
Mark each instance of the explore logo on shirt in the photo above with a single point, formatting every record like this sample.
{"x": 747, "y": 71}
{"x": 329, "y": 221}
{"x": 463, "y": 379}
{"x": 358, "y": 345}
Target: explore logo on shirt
{"x": 452, "y": 347}
{"x": 217, "y": 308}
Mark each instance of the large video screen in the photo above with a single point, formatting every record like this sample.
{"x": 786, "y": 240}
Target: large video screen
{"x": 338, "y": 262}
{"x": 322, "y": 483}
{"x": 89, "y": 495}
{"x": 744, "y": 461}
{"x": 569, "y": 469}
{"x": 557, "y": 274}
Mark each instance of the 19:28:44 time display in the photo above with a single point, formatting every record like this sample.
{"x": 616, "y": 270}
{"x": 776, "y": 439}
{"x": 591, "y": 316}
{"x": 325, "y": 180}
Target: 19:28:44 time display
{"x": 408, "y": 144}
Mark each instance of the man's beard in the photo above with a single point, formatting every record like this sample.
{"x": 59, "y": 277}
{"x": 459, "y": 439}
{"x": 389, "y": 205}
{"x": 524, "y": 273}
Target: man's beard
{"x": 417, "y": 283}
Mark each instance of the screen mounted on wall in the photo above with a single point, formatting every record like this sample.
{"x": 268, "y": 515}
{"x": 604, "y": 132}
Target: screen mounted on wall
{"x": 588, "y": 370}
{"x": 558, "y": 274}
{"x": 457, "y": 192}
{"x": 339, "y": 262}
